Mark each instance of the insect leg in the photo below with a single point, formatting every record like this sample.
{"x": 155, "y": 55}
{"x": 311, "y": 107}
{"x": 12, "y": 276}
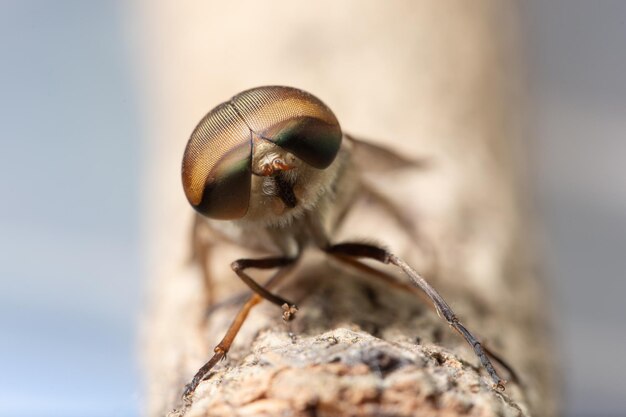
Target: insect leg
{"x": 390, "y": 280}
{"x": 201, "y": 251}
{"x": 360, "y": 250}
{"x": 240, "y": 265}
{"x": 224, "y": 345}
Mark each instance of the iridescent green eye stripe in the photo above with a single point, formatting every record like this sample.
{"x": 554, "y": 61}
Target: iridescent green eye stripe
{"x": 227, "y": 191}
{"x": 310, "y": 139}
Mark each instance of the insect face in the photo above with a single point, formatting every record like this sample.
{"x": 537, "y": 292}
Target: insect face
{"x": 252, "y": 156}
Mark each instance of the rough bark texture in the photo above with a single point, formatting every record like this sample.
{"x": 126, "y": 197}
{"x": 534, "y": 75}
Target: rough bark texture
{"x": 437, "y": 79}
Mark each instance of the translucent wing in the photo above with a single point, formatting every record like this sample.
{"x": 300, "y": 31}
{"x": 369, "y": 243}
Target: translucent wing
{"x": 373, "y": 158}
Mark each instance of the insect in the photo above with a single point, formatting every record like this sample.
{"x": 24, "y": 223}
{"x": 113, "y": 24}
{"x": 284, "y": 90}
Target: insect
{"x": 270, "y": 169}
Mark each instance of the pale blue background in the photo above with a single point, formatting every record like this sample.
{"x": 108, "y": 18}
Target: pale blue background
{"x": 69, "y": 164}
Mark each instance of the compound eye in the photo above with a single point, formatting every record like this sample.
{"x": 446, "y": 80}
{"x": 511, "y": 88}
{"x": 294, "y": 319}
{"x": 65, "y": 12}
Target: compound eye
{"x": 217, "y": 162}
{"x": 294, "y": 120}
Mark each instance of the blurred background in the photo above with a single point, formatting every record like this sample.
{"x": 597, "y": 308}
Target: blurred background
{"x": 70, "y": 163}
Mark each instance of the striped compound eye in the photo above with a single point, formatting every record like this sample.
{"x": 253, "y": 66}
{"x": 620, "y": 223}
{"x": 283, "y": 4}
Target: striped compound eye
{"x": 217, "y": 164}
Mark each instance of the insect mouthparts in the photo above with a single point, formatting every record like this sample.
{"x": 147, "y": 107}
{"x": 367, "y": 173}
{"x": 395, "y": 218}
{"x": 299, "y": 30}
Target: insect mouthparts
{"x": 284, "y": 190}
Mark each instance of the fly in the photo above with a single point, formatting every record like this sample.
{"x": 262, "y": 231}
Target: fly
{"x": 268, "y": 169}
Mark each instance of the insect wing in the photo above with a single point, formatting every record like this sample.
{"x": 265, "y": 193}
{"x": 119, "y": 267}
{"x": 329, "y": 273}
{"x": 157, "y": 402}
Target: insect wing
{"x": 374, "y": 158}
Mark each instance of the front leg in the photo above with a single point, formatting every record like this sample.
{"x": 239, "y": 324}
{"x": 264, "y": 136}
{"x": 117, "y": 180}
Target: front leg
{"x": 240, "y": 265}
{"x": 361, "y": 250}
{"x": 201, "y": 248}
{"x": 220, "y": 351}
